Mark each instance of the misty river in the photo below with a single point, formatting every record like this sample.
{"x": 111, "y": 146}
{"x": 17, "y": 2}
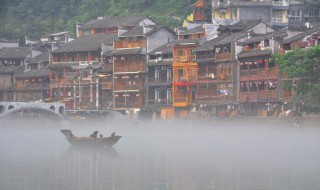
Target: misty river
{"x": 181, "y": 155}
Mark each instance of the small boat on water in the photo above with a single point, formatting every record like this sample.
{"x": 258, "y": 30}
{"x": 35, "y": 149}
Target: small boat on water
{"x": 93, "y": 140}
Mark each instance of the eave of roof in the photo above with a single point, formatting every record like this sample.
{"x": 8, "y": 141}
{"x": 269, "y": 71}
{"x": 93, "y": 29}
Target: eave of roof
{"x": 86, "y": 43}
{"x": 124, "y": 51}
{"x": 253, "y": 53}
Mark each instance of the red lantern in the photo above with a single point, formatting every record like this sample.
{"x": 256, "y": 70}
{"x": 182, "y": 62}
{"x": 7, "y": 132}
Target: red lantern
{"x": 260, "y": 61}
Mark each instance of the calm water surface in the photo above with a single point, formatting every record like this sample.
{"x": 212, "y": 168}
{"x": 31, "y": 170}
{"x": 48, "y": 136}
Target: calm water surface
{"x": 160, "y": 156}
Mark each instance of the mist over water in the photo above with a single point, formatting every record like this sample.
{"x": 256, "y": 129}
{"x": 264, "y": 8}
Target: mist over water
{"x": 188, "y": 155}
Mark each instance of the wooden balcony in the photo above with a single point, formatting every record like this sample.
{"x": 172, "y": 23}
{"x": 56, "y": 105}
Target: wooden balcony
{"x": 106, "y": 85}
{"x": 268, "y": 95}
{"x": 180, "y": 101}
{"x": 224, "y": 76}
{"x": 223, "y": 57}
{"x": 272, "y": 71}
{"x": 159, "y": 102}
{"x": 264, "y": 95}
{"x": 122, "y": 104}
{"x": 33, "y": 86}
{"x": 159, "y": 80}
{"x": 213, "y": 98}
{"x": 120, "y": 86}
{"x": 185, "y": 79}
{"x": 129, "y": 68}
{"x": 204, "y": 57}
{"x": 248, "y": 97}
{"x": 7, "y": 86}
{"x": 185, "y": 58}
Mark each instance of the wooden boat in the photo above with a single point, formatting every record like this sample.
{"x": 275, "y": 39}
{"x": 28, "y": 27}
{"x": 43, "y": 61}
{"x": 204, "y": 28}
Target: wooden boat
{"x": 93, "y": 140}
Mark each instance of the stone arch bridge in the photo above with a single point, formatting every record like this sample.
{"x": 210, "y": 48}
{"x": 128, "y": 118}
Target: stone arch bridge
{"x": 56, "y": 110}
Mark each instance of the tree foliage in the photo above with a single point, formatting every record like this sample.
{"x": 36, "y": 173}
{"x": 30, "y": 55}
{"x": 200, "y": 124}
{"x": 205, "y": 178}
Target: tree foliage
{"x": 302, "y": 66}
{"x": 34, "y": 18}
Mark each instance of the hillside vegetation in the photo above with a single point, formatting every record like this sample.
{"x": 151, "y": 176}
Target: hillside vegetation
{"x": 34, "y": 18}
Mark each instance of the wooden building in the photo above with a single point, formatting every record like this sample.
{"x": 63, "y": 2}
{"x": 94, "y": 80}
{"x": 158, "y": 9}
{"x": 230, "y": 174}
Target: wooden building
{"x": 12, "y": 60}
{"x": 260, "y": 84}
{"x": 112, "y": 25}
{"x": 76, "y": 73}
{"x": 32, "y": 81}
{"x": 129, "y": 65}
{"x": 159, "y": 82}
{"x": 185, "y": 71}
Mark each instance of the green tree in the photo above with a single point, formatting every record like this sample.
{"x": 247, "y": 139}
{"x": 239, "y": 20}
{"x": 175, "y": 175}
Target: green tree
{"x": 302, "y": 66}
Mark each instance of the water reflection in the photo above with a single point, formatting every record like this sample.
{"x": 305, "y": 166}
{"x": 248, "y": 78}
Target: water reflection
{"x": 90, "y": 168}
{"x": 161, "y": 157}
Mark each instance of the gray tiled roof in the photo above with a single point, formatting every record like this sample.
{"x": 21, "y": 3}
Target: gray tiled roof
{"x": 61, "y": 65}
{"x": 149, "y": 64}
{"x": 226, "y": 39}
{"x": 138, "y": 31}
{"x": 123, "y": 51}
{"x": 33, "y": 74}
{"x": 184, "y": 41}
{"x": 86, "y": 43}
{"x": 40, "y": 58}
{"x": 165, "y": 49}
{"x": 195, "y": 30}
{"x": 252, "y": 53}
{"x": 14, "y": 52}
{"x": 301, "y": 35}
{"x": 113, "y": 22}
{"x": 242, "y": 25}
{"x": 208, "y": 45}
{"x": 9, "y": 69}
{"x": 260, "y": 37}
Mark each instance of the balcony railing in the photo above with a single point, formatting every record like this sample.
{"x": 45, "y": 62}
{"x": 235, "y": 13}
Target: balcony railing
{"x": 264, "y": 95}
{"x": 126, "y": 86}
{"x": 159, "y": 80}
{"x": 106, "y": 85}
{"x": 271, "y": 71}
{"x": 213, "y": 98}
{"x": 125, "y": 105}
{"x": 185, "y": 79}
{"x": 159, "y": 102}
{"x": 248, "y": 97}
{"x": 185, "y": 58}
{"x": 180, "y": 99}
{"x": 204, "y": 57}
{"x": 34, "y": 86}
{"x": 223, "y": 57}
{"x": 280, "y": 3}
{"x": 129, "y": 68}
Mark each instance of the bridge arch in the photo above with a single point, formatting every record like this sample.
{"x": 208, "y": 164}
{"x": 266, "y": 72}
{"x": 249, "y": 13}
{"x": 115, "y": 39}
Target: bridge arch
{"x": 2, "y": 109}
{"x": 53, "y": 108}
{"x": 61, "y": 110}
{"x": 43, "y": 111}
{"x": 10, "y": 107}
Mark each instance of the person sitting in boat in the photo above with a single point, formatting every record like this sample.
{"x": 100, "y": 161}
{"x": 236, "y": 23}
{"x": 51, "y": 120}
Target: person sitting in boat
{"x": 101, "y": 136}
{"x": 113, "y": 134}
{"x": 94, "y": 134}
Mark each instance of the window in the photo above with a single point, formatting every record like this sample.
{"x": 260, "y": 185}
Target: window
{"x": 86, "y": 32}
{"x": 266, "y": 43}
{"x": 180, "y": 72}
{"x": 180, "y": 52}
{"x": 295, "y": 15}
{"x": 312, "y": 13}
{"x": 277, "y": 17}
